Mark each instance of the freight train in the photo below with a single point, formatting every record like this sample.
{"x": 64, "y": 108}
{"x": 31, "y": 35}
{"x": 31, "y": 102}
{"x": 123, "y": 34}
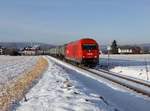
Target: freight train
{"x": 84, "y": 51}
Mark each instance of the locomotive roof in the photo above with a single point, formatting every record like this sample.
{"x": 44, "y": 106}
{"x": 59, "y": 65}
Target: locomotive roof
{"x": 83, "y": 40}
{"x": 87, "y": 39}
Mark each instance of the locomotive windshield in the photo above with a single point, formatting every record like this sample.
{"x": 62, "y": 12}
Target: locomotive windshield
{"x": 89, "y": 46}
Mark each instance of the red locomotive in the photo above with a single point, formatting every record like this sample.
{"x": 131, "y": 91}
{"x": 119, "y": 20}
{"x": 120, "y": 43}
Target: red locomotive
{"x": 84, "y": 51}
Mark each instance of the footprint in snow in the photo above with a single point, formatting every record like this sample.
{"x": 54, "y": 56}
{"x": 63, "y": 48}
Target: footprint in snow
{"x": 100, "y": 97}
{"x": 76, "y": 92}
{"x": 140, "y": 74}
{"x": 67, "y": 84}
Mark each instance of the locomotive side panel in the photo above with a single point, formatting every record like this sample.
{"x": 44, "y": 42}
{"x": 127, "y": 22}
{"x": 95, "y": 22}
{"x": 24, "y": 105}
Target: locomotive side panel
{"x": 73, "y": 52}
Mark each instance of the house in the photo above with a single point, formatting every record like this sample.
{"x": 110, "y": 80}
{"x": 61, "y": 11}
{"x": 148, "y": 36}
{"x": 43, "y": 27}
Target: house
{"x": 2, "y": 50}
{"x": 30, "y": 50}
{"x": 129, "y": 50}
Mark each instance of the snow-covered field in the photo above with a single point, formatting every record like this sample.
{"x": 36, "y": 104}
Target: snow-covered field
{"x": 137, "y": 66}
{"x": 139, "y": 57}
{"x": 12, "y": 66}
{"x": 133, "y": 71}
{"x": 66, "y": 88}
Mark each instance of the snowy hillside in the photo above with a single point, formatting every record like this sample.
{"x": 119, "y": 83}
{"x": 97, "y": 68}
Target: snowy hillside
{"x": 66, "y": 88}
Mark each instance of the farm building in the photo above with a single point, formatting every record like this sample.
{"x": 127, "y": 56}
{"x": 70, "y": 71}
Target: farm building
{"x": 2, "y": 50}
{"x": 129, "y": 50}
{"x": 30, "y": 50}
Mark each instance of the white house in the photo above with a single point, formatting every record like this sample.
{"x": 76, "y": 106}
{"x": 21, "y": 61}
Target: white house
{"x": 125, "y": 50}
{"x": 30, "y": 50}
{"x": 129, "y": 50}
{"x": 1, "y": 51}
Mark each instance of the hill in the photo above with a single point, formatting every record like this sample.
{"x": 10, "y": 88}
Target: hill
{"x": 20, "y": 45}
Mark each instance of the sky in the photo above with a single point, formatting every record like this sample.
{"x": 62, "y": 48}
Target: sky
{"x": 61, "y": 21}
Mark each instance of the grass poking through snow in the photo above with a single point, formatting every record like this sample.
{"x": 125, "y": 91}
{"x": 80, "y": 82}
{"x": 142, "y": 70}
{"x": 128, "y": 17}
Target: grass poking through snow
{"x": 16, "y": 90}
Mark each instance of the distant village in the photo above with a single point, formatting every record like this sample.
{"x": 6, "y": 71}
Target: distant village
{"x": 127, "y": 49}
{"x": 38, "y": 50}
{"x": 114, "y": 48}
{"x": 29, "y": 50}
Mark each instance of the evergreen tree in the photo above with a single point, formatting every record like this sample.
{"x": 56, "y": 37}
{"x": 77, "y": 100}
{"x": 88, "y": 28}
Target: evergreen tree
{"x": 114, "y": 47}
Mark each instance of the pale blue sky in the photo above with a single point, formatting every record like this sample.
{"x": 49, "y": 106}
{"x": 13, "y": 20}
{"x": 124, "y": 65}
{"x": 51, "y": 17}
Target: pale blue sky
{"x": 60, "y": 21}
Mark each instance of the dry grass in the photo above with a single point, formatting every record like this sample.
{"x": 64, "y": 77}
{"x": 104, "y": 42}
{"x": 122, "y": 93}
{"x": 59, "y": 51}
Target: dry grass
{"x": 16, "y": 90}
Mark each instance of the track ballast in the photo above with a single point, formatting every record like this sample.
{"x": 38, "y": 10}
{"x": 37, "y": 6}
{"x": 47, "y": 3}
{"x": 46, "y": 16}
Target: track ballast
{"x": 136, "y": 85}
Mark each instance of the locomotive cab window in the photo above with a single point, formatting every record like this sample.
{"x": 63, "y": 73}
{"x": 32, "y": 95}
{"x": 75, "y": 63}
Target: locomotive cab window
{"x": 89, "y": 47}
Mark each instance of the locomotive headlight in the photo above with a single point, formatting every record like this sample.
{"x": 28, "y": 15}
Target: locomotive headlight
{"x": 83, "y": 56}
{"x": 95, "y": 56}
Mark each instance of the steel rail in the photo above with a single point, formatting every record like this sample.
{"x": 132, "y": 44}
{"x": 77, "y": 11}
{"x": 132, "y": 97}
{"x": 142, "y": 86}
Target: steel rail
{"x": 133, "y": 84}
{"x": 145, "y": 83}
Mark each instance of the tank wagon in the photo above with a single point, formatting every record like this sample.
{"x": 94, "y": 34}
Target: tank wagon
{"x": 84, "y": 51}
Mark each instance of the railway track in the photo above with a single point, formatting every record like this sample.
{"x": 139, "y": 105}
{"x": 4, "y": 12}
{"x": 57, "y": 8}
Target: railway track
{"x": 136, "y": 85}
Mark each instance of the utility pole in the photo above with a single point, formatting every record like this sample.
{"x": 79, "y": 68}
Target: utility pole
{"x": 108, "y": 52}
{"x": 146, "y": 68}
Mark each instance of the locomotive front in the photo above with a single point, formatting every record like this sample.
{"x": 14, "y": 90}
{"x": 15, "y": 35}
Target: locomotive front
{"x": 90, "y": 52}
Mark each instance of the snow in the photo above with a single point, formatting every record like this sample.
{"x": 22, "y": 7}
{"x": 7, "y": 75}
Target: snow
{"x": 133, "y": 71}
{"x": 137, "y": 66}
{"x": 57, "y": 92}
{"x": 139, "y": 57}
{"x": 64, "y": 87}
{"x": 13, "y": 66}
